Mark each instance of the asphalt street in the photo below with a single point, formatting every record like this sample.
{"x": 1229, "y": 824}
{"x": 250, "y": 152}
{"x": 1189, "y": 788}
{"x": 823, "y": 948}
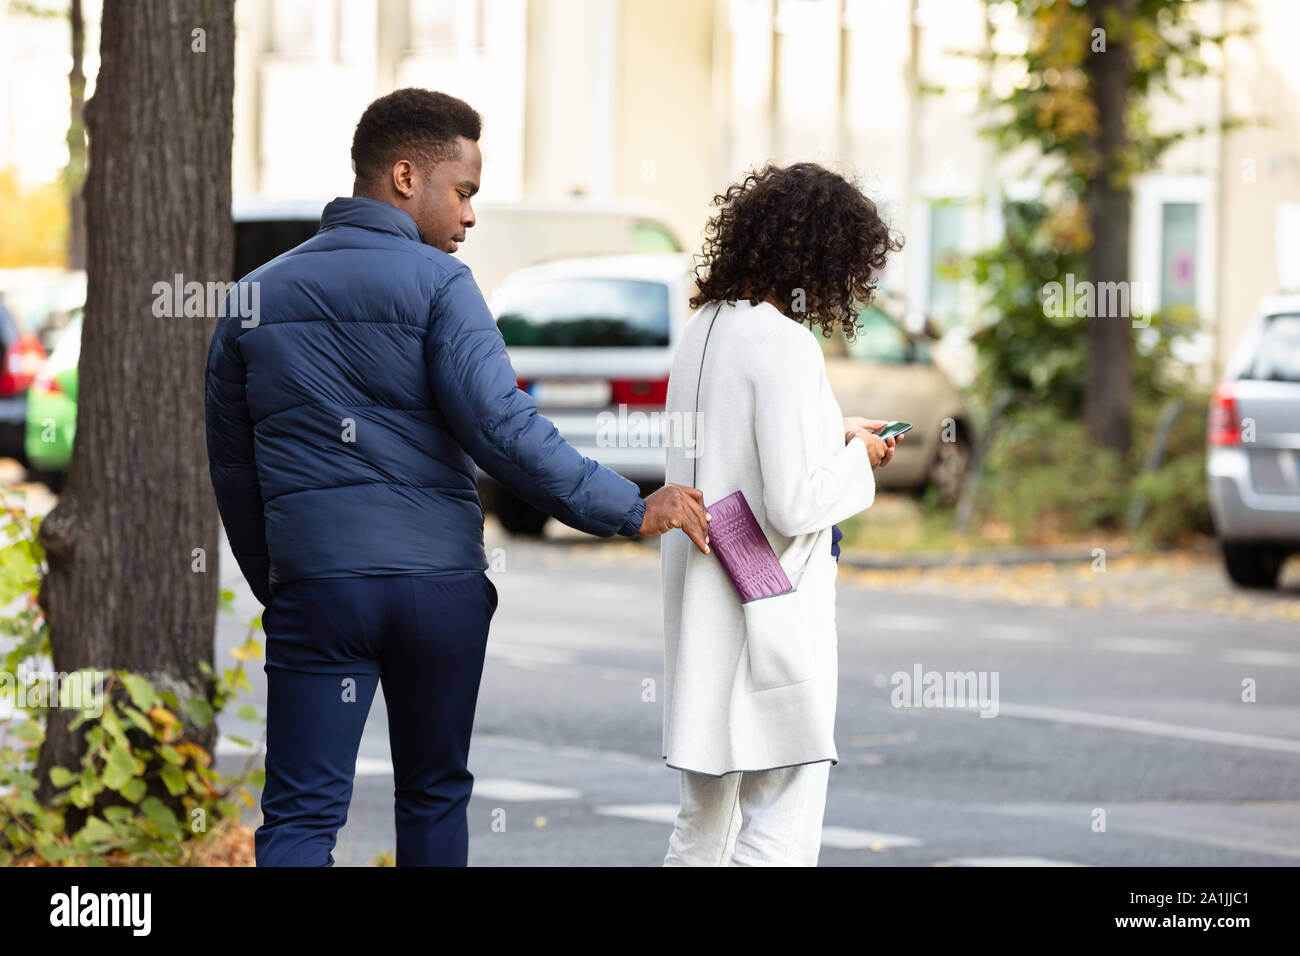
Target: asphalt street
{"x": 1120, "y": 737}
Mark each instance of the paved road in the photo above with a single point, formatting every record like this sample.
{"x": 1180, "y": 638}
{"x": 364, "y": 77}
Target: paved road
{"x": 1138, "y": 714}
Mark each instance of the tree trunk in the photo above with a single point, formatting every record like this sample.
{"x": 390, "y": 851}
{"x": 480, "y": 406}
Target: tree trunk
{"x": 1108, "y": 393}
{"x": 76, "y": 174}
{"x": 121, "y": 592}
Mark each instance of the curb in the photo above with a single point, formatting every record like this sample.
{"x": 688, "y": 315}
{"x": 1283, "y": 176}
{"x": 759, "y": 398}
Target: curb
{"x": 998, "y": 556}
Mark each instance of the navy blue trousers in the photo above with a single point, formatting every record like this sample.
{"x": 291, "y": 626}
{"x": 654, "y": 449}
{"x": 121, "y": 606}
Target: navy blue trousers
{"x": 329, "y": 643}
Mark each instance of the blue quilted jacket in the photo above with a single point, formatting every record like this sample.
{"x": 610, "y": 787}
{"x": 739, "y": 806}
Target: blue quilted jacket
{"x": 345, "y": 417}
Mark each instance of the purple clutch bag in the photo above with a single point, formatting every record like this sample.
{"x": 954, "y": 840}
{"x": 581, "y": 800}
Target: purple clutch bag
{"x": 743, "y": 549}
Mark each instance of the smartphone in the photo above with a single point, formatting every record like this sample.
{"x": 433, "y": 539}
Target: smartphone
{"x": 894, "y": 429}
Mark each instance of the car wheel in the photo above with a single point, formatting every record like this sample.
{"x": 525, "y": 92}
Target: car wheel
{"x": 1252, "y": 566}
{"x": 948, "y": 470}
{"x": 518, "y": 517}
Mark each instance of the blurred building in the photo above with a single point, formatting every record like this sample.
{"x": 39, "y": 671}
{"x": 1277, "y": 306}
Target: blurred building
{"x": 670, "y": 100}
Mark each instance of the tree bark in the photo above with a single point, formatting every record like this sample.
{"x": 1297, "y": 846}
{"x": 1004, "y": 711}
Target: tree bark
{"x": 120, "y": 591}
{"x": 1108, "y": 392}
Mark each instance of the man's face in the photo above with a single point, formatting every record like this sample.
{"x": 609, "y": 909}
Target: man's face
{"x": 440, "y": 199}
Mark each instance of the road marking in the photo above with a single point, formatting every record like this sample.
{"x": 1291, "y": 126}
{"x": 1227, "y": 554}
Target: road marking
{"x": 566, "y": 750}
{"x": 527, "y": 654}
{"x": 1021, "y": 632}
{"x": 1141, "y": 645}
{"x": 1152, "y": 727}
{"x": 521, "y": 791}
{"x": 1010, "y": 861}
{"x": 374, "y": 767}
{"x": 908, "y": 622}
{"x": 1191, "y": 834}
{"x": 847, "y": 838}
{"x": 229, "y": 748}
{"x": 842, "y": 838}
{"x": 649, "y": 812}
{"x": 1264, "y": 658}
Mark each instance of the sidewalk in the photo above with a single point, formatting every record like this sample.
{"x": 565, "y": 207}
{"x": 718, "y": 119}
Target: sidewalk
{"x": 1190, "y": 580}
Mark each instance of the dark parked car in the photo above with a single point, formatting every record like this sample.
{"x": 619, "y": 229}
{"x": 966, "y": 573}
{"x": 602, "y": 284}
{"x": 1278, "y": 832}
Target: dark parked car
{"x": 21, "y": 354}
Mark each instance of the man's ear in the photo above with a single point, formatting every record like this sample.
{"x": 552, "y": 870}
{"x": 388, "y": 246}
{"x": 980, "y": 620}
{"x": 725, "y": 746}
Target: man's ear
{"x": 404, "y": 178}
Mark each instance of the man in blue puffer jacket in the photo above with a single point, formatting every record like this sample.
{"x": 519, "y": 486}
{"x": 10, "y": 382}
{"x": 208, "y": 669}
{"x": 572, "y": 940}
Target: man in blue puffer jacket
{"x": 344, "y": 421}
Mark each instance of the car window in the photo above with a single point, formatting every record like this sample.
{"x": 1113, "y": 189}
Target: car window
{"x": 878, "y": 338}
{"x": 258, "y": 241}
{"x": 584, "y": 313}
{"x": 651, "y": 237}
{"x": 1277, "y": 357}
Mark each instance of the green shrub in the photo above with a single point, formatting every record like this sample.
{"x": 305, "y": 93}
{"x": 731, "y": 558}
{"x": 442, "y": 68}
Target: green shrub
{"x": 145, "y": 792}
{"x": 1040, "y": 465}
{"x": 1044, "y": 477}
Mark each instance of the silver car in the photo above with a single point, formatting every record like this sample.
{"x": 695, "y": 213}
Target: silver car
{"x": 1253, "y": 454}
{"x": 592, "y": 339}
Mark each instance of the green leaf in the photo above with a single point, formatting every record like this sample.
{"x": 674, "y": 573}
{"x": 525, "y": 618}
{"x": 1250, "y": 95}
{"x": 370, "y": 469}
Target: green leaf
{"x": 158, "y": 812}
{"x": 61, "y": 776}
{"x": 173, "y": 780}
{"x": 139, "y": 719}
{"x": 134, "y": 790}
{"x": 96, "y": 831}
{"x": 142, "y": 693}
{"x": 248, "y": 712}
{"x": 31, "y": 731}
{"x": 119, "y": 769}
{"x": 112, "y": 726}
{"x": 171, "y": 754}
{"x": 51, "y": 853}
{"x": 199, "y": 711}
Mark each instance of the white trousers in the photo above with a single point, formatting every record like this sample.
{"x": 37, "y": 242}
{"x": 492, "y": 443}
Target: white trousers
{"x": 753, "y": 818}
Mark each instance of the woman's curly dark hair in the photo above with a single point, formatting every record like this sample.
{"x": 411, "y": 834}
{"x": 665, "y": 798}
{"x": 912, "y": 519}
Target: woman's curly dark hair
{"x": 801, "y": 234}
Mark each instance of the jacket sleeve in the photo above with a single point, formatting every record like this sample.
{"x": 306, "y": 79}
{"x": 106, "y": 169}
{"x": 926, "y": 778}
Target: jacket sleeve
{"x": 804, "y": 489}
{"x": 230, "y": 458}
{"x": 498, "y": 425}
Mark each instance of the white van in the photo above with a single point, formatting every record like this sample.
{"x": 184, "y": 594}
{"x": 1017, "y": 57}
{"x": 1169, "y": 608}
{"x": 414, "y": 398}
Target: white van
{"x": 506, "y": 237}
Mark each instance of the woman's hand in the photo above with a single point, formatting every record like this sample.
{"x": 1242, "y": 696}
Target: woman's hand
{"x": 870, "y": 426}
{"x": 878, "y": 453}
{"x": 853, "y": 422}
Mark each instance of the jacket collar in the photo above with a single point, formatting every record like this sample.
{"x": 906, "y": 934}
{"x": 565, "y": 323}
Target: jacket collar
{"x": 369, "y": 214}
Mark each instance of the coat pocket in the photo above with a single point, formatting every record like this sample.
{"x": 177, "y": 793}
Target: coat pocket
{"x": 778, "y": 649}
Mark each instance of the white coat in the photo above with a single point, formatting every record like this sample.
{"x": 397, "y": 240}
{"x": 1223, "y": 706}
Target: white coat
{"x": 769, "y": 426}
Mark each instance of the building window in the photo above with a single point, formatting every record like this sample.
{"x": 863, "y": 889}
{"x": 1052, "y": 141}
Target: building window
{"x": 945, "y": 253}
{"x": 1178, "y": 228}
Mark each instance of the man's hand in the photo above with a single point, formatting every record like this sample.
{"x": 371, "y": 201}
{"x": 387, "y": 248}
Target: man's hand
{"x": 677, "y": 506}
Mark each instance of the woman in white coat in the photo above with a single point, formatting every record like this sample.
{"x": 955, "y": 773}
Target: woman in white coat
{"x": 790, "y": 248}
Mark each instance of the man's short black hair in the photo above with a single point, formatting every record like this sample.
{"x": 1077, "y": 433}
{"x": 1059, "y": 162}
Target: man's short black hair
{"x": 411, "y": 123}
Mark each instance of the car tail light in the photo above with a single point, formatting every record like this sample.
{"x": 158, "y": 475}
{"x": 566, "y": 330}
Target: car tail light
{"x": 638, "y": 391}
{"x": 21, "y": 363}
{"x": 46, "y": 384}
{"x": 1223, "y": 426}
